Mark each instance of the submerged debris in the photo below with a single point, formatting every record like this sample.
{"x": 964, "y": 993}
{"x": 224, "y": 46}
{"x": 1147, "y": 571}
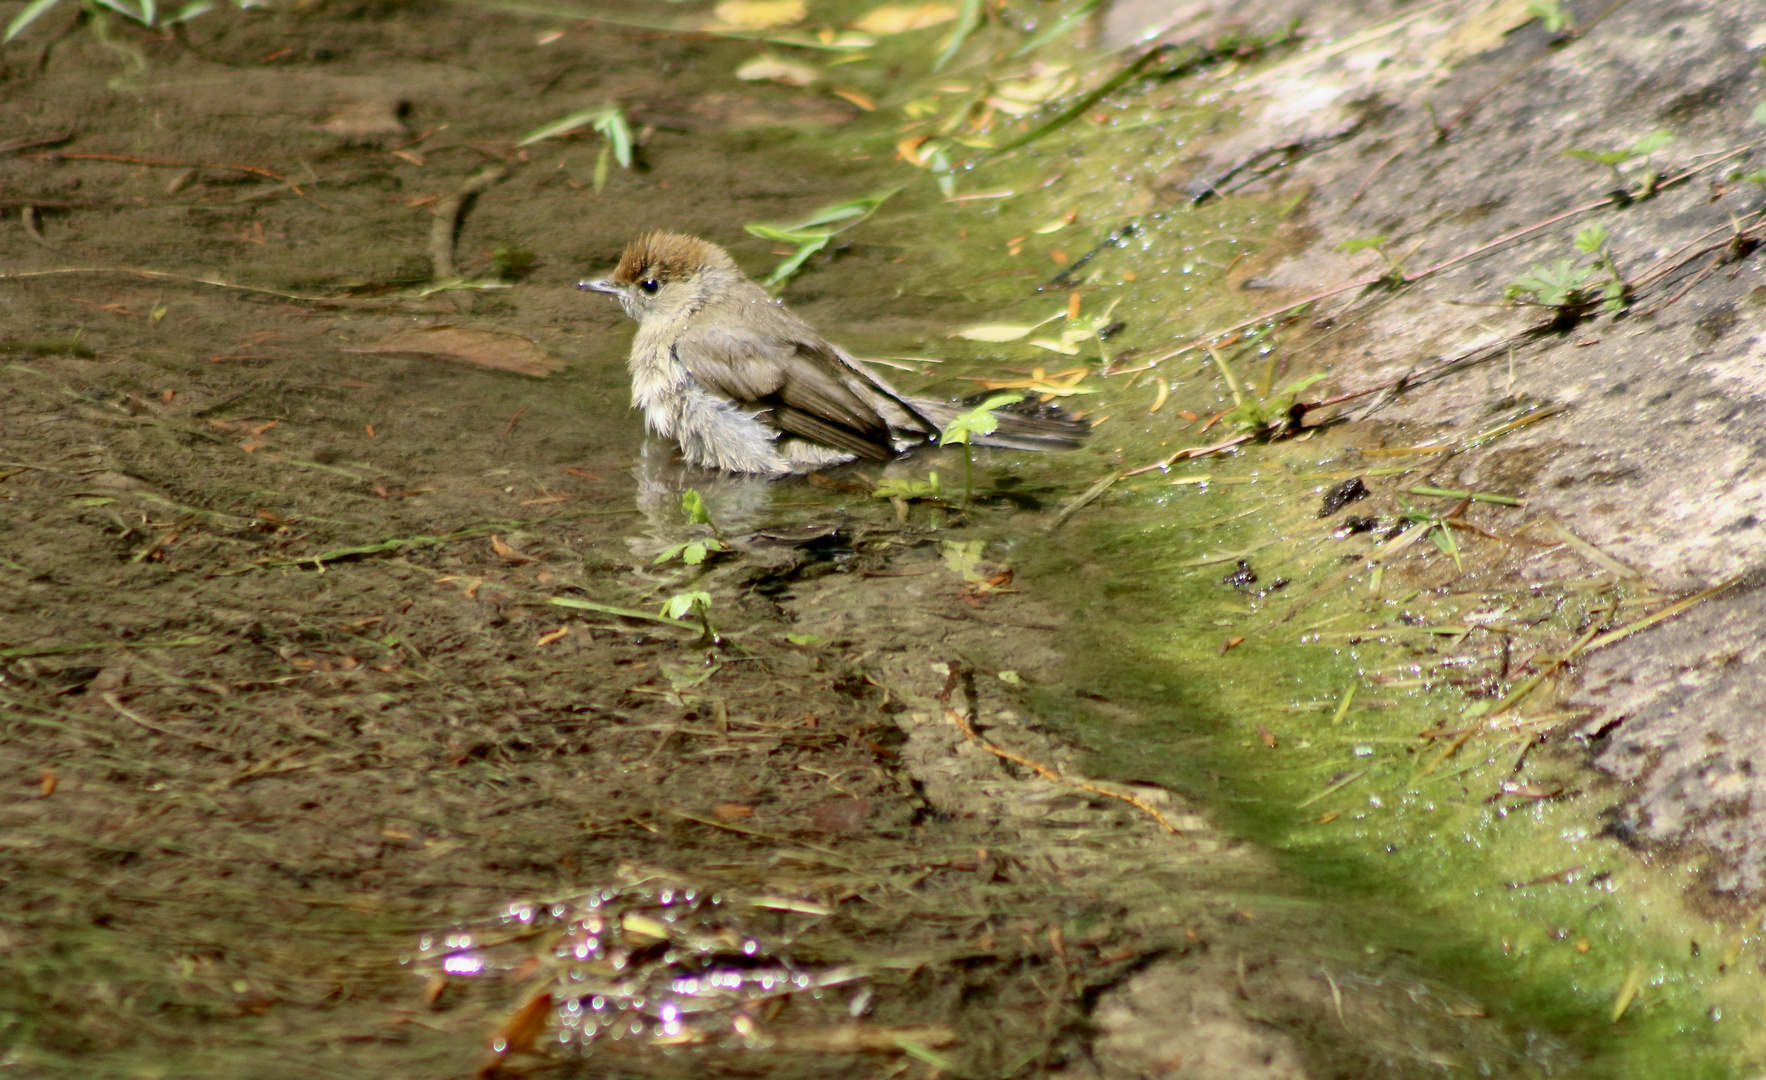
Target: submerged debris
{"x": 1342, "y": 495}
{"x": 665, "y": 965}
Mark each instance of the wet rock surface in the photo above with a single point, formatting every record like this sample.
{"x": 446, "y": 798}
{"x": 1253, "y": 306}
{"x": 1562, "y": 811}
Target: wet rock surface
{"x": 1462, "y": 120}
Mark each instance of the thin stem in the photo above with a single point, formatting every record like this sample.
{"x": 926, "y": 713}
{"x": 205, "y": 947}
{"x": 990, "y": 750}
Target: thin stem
{"x": 1231, "y": 382}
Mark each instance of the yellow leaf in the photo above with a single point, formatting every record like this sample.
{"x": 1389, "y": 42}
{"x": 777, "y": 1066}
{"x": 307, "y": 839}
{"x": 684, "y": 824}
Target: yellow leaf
{"x": 900, "y": 18}
{"x": 773, "y": 69}
{"x": 1061, "y": 347}
{"x": 760, "y": 14}
{"x": 1036, "y": 90}
{"x": 857, "y": 97}
{"x": 996, "y": 332}
{"x": 643, "y": 926}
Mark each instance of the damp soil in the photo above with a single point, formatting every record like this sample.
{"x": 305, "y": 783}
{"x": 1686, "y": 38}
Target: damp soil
{"x": 285, "y": 693}
{"x": 312, "y": 639}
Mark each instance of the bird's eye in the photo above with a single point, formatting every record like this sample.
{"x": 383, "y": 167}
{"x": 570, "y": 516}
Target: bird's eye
{"x": 650, "y": 285}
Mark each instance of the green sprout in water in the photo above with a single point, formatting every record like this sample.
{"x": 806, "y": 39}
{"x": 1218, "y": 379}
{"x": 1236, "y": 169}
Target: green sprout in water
{"x": 977, "y": 421}
{"x": 814, "y": 232}
{"x": 1251, "y": 415}
{"x": 693, "y": 602}
{"x": 906, "y": 490}
{"x": 606, "y": 119}
{"x": 1440, "y": 532}
{"x": 901, "y": 491}
{"x": 693, "y": 552}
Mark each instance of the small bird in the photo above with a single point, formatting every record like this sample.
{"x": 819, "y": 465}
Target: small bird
{"x": 744, "y": 385}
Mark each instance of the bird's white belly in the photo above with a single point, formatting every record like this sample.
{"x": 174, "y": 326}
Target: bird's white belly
{"x": 713, "y": 431}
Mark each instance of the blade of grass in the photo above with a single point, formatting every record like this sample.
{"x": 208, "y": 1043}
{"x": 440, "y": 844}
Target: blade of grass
{"x": 1338, "y": 786}
{"x": 629, "y": 613}
{"x": 1079, "y": 108}
{"x": 1062, "y": 27}
{"x": 1666, "y": 613}
{"x": 968, "y": 20}
{"x": 32, "y": 12}
{"x": 1475, "y": 496}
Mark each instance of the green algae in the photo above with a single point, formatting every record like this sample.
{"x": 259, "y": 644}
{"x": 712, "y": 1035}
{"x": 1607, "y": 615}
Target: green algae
{"x": 1478, "y": 849}
{"x": 1525, "y": 904}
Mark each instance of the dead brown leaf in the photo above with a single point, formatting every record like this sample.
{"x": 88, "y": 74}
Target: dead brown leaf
{"x": 840, "y": 816}
{"x": 517, "y": 1034}
{"x": 465, "y": 345}
{"x": 366, "y": 122}
{"x": 503, "y": 549}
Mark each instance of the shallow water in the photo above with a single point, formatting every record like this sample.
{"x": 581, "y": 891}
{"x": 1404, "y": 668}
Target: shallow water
{"x": 1389, "y": 854}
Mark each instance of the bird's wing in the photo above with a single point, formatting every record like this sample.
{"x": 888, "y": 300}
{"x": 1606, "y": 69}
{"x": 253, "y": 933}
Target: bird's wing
{"x": 810, "y": 426}
{"x": 809, "y": 386}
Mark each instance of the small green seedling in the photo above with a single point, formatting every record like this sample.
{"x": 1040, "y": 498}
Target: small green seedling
{"x": 977, "y": 421}
{"x": 1253, "y": 416}
{"x": 1642, "y": 148}
{"x": 694, "y": 504}
{"x": 145, "y": 12}
{"x": 1758, "y": 176}
{"x": 1080, "y": 330}
{"x": 1394, "y": 275}
{"x": 1551, "y": 13}
{"x": 902, "y": 491}
{"x": 1558, "y": 285}
{"x": 1440, "y": 533}
{"x": 1592, "y": 240}
{"x": 814, "y": 232}
{"x": 908, "y": 490}
{"x": 693, "y": 602}
{"x": 1270, "y": 415}
{"x": 1565, "y": 285}
{"x": 1364, "y": 243}
{"x": 694, "y": 552}
{"x": 606, "y": 119}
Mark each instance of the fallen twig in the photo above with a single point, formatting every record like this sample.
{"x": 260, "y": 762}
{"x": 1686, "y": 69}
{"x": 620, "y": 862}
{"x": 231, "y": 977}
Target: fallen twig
{"x": 58, "y": 155}
{"x": 448, "y": 214}
{"x": 1190, "y": 452}
{"x": 1092, "y": 494}
{"x": 1620, "y": 198}
{"x": 28, "y": 216}
{"x": 1045, "y": 771}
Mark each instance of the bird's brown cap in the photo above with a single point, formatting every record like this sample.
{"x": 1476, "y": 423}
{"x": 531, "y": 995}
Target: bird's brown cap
{"x": 666, "y": 256}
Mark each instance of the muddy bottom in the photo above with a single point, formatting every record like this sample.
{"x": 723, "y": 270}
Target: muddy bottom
{"x": 320, "y": 646}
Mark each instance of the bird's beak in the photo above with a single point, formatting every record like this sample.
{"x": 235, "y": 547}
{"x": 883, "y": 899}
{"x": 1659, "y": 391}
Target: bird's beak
{"x": 601, "y": 285}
